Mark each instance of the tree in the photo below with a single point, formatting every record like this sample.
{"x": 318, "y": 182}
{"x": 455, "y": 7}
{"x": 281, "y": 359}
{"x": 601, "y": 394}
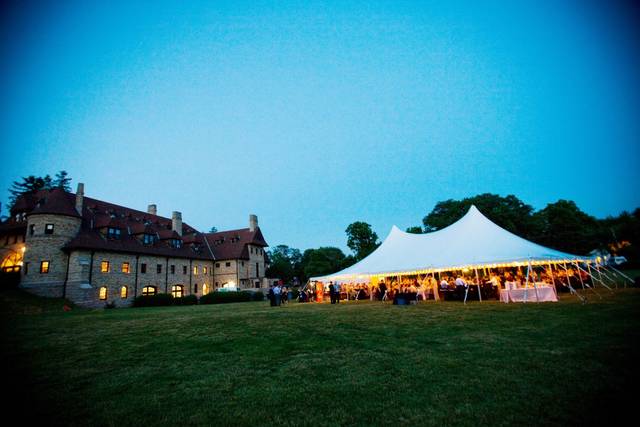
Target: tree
{"x": 508, "y": 212}
{"x": 414, "y": 230}
{"x": 284, "y": 263}
{"x": 62, "y": 181}
{"x": 321, "y": 261}
{"x": 361, "y": 239}
{"x": 29, "y": 185}
{"x": 563, "y": 226}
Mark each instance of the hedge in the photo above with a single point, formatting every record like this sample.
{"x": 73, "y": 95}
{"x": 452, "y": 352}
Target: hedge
{"x": 186, "y": 300}
{"x": 227, "y": 297}
{"x": 156, "y": 300}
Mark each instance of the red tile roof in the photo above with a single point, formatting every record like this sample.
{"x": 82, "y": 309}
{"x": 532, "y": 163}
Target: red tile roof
{"x": 98, "y": 215}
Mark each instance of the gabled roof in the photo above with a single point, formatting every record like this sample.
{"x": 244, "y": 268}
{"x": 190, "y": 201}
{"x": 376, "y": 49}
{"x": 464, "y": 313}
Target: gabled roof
{"x": 232, "y": 244}
{"x": 472, "y": 240}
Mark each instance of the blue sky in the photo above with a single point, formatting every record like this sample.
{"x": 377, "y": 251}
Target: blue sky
{"x": 313, "y": 115}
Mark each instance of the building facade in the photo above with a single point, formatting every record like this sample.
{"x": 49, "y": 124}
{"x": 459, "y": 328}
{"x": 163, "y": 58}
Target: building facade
{"x": 92, "y": 252}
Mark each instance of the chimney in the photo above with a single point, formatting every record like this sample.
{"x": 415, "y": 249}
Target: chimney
{"x": 79, "y": 197}
{"x": 152, "y": 209}
{"x": 176, "y": 222}
{"x": 253, "y": 222}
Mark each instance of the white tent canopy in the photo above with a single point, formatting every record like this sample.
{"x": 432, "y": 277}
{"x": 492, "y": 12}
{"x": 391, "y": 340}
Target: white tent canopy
{"x": 471, "y": 241}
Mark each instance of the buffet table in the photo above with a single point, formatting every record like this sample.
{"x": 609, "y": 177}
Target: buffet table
{"x": 545, "y": 293}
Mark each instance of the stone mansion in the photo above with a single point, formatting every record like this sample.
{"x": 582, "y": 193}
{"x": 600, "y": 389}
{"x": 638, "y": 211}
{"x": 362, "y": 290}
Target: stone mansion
{"x": 93, "y": 252}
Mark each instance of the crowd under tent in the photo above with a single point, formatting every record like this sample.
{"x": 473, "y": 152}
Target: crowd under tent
{"x": 471, "y": 244}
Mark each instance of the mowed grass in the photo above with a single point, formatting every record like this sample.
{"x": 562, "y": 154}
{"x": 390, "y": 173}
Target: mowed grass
{"x": 317, "y": 364}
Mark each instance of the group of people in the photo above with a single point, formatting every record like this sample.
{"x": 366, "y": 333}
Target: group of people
{"x": 278, "y": 294}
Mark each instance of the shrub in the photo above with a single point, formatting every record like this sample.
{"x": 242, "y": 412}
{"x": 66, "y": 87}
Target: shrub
{"x": 257, "y": 296}
{"x": 186, "y": 300}
{"x": 157, "y": 300}
{"x": 111, "y": 304}
{"x": 226, "y": 297}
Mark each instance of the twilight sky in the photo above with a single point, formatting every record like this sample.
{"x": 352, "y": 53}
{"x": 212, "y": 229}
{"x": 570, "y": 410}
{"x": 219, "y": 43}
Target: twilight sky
{"x": 314, "y": 115}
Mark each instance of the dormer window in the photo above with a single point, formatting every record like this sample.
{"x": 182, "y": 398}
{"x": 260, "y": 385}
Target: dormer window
{"x": 148, "y": 239}
{"x": 175, "y": 243}
{"x": 113, "y": 233}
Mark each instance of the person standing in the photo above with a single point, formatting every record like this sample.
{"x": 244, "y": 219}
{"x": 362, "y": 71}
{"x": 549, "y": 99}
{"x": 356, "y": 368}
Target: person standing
{"x": 272, "y": 299}
{"x": 277, "y": 291}
{"x": 332, "y": 293}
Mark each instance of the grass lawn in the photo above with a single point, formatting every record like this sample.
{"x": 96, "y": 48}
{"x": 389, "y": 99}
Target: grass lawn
{"x": 316, "y": 364}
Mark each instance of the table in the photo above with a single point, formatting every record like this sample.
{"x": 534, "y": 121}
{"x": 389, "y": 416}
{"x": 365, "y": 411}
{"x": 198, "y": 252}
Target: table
{"x": 545, "y": 293}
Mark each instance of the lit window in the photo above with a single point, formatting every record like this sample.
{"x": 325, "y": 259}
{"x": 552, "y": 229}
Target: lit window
{"x": 204, "y": 289}
{"x": 44, "y": 266}
{"x": 103, "y": 293}
{"x": 149, "y": 290}
{"x": 104, "y": 267}
{"x": 48, "y": 229}
{"x": 176, "y": 291}
{"x": 123, "y": 292}
{"x": 195, "y": 270}
{"x": 113, "y": 233}
{"x": 125, "y": 267}
{"x": 204, "y": 270}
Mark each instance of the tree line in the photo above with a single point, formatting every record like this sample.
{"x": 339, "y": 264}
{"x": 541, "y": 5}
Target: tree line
{"x": 560, "y": 225}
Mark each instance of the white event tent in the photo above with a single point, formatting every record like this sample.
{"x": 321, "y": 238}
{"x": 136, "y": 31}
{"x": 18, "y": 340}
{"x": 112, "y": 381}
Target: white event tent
{"x": 474, "y": 241}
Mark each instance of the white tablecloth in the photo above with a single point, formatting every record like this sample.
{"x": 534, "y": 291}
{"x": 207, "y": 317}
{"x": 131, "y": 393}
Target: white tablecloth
{"x": 545, "y": 293}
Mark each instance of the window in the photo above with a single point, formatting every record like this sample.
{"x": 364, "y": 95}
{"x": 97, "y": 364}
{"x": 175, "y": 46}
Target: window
{"x": 204, "y": 270}
{"x": 44, "y": 267}
{"x": 195, "y": 270}
{"x": 204, "y": 289}
{"x": 113, "y": 233}
{"x": 184, "y": 269}
{"x": 158, "y": 268}
{"x": 257, "y": 284}
{"x": 148, "y": 239}
{"x": 26, "y": 268}
{"x": 48, "y": 229}
{"x": 176, "y": 291}
{"x": 104, "y": 267}
{"x": 123, "y": 292}
{"x": 148, "y": 290}
{"x": 195, "y": 288}
{"x": 175, "y": 243}
{"x": 32, "y": 229}
{"x": 227, "y": 264}
{"x": 143, "y": 268}
{"x": 243, "y": 263}
{"x": 173, "y": 269}
{"x": 125, "y": 267}
{"x": 257, "y": 270}
{"x": 103, "y": 293}
{"x": 217, "y": 265}
{"x": 251, "y": 247}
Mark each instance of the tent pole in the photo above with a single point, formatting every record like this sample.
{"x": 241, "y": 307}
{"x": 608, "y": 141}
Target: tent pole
{"x": 622, "y": 274}
{"x": 526, "y": 284}
{"x": 479, "y": 288}
{"x": 573, "y": 291}
{"x": 553, "y": 280}
{"x": 592, "y": 287}
{"x": 608, "y": 277}
{"x": 600, "y": 274}
{"x": 535, "y": 286}
{"x": 595, "y": 278}
{"x": 579, "y": 275}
